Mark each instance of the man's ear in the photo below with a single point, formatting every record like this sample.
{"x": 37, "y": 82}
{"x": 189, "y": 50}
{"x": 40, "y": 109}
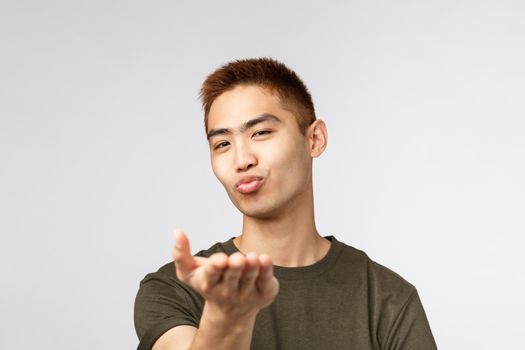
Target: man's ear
{"x": 317, "y": 137}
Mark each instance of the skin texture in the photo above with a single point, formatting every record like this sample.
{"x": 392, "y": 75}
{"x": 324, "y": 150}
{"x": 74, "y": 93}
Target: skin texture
{"x": 278, "y": 218}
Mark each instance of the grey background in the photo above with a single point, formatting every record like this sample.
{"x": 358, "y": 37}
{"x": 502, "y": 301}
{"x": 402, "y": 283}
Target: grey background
{"x": 103, "y": 152}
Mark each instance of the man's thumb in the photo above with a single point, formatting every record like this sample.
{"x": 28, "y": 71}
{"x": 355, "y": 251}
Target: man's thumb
{"x": 184, "y": 262}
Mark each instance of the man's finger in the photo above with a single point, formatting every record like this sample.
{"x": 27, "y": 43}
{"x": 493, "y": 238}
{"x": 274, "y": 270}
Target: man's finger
{"x": 213, "y": 270}
{"x": 250, "y": 274}
{"x": 236, "y": 264}
{"x": 184, "y": 262}
{"x": 265, "y": 273}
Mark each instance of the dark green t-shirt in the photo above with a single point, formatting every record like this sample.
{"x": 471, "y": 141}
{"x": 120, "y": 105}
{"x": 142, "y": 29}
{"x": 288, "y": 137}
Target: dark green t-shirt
{"x": 343, "y": 301}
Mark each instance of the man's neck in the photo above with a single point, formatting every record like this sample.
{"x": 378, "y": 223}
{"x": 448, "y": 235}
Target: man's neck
{"x": 291, "y": 239}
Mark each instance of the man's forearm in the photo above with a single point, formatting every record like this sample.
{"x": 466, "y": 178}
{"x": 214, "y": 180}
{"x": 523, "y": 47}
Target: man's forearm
{"x": 219, "y": 330}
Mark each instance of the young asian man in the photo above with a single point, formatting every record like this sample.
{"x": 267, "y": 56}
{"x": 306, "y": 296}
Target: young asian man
{"x": 279, "y": 284}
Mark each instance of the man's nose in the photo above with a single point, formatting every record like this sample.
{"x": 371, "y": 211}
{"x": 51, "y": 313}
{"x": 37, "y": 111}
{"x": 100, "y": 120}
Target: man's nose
{"x": 244, "y": 158}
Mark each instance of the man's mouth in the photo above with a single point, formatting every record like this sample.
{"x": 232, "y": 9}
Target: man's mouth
{"x": 249, "y": 185}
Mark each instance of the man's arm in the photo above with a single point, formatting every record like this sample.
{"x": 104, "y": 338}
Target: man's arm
{"x": 234, "y": 287}
{"x": 179, "y": 337}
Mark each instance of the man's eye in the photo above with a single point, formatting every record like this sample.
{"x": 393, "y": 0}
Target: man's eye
{"x": 262, "y": 132}
{"x": 221, "y": 145}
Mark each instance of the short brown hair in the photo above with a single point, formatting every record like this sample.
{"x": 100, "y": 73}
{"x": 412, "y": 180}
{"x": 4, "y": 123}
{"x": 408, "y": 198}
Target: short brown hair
{"x": 265, "y": 72}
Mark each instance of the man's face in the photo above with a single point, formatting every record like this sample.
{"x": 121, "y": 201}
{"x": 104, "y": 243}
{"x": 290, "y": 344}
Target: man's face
{"x": 258, "y": 152}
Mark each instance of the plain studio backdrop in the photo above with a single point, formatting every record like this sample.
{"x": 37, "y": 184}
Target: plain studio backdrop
{"x": 103, "y": 152}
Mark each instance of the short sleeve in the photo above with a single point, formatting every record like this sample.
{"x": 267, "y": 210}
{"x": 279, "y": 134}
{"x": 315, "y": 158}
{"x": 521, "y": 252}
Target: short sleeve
{"x": 410, "y": 329}
{"x": 163, "y": 302}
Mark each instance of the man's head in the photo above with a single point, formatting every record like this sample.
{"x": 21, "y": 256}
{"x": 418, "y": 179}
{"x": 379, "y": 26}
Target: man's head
{"x": 264, "y": 72}
{"x": 263, "y": 134}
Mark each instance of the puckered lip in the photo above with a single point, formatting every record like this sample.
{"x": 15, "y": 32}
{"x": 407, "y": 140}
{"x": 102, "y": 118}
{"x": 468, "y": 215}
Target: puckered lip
{"x": 248, "y": 178}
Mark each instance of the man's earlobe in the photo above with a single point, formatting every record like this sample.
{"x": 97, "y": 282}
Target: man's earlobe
{"x": 318, "y": 138}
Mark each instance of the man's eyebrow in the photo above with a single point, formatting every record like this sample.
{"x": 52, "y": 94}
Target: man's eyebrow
{"x": 247, "y": 125}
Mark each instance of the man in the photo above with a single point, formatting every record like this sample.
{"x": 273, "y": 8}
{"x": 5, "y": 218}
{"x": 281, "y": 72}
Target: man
{"x": 279, "y": 284}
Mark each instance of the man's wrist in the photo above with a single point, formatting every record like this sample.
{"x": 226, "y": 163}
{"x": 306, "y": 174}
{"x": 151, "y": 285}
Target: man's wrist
{"x": 222, "y": 330}
{"x": 228, "y": 317}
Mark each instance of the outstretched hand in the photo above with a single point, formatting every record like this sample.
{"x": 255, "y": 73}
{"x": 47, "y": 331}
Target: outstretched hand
{"x": 236, "y": 285}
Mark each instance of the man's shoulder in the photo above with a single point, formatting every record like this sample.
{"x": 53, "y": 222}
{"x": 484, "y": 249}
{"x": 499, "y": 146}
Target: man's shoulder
{"x": 377, "y": 276}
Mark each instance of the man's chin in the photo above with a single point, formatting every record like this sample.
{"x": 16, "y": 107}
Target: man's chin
{"x": 258, "y": 207}
{"x": 257, "y": 212}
